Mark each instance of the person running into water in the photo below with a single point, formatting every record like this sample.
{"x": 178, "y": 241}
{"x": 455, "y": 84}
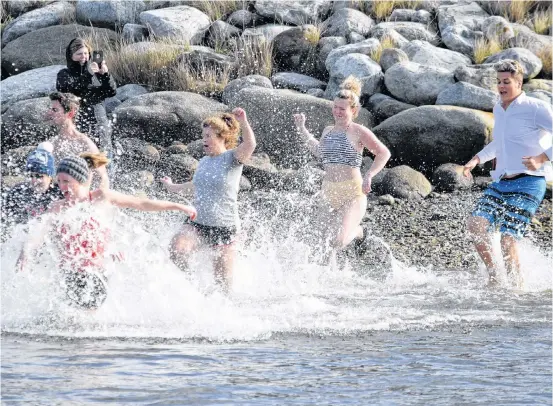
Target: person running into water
{"x": 63, "y": 108}
{"x": 32, "y": 197}
{"x": 340, "y": 149}
{"x": 82, "y": 244}
{"x": 215, "y": 188}
{"x": 521, "y": 145}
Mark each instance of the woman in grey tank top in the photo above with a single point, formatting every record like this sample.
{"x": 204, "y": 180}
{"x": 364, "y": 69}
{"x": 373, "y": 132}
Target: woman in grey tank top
{"x": 215, "y": 189}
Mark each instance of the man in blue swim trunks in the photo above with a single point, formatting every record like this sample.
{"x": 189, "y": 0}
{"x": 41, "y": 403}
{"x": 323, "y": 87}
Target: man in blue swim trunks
{"x": 522, "y": 148}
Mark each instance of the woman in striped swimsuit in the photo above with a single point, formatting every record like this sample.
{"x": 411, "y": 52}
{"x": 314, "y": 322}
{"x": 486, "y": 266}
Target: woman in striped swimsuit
{"x": 340, "y": 149}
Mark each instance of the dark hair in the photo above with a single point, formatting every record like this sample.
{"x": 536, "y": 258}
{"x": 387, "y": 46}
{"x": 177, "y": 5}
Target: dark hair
{"x": 77, "y": 43}
{"x": 68, "y": 101}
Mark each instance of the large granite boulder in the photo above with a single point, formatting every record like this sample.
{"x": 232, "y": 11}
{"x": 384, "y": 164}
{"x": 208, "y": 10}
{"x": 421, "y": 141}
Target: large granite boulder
{"x": 464, "y": 94}
{"x": 410, "y": 30}
{"x": 483, "y": 76}
{"x": 270, "y": 114}
{"x": 23, "y": 53}
{"x": 383, "y": 107}
{"x": 296, "y": 81}
{"x": 51, "y": 14}
{"x": 109, "y": 13}
{"x": 452, "y": 134}
{"x": 234, "y": 86}
{"x": 366, "y": 47}
{"x": 27, "y": 85}
{"x": 531, "y": 64}
{"x": 294, "y": 51}
{"x": 293, "y": 12}
{"x": 164, "y": 117}
{"x": 184, "y": 23}
{"x": 345, "y": 21}
{"x": 266, "y": 31}
{"x": 359, "y": 66}
{"x": 23, "y": 123}
{"x": 405, "y": 183}
{"x": 425, "y": 53}
{"x": 415, "y": 83}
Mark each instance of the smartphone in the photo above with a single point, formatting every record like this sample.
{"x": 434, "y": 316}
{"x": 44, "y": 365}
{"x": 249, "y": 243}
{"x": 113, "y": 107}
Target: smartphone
{"x": 98, "y": 57}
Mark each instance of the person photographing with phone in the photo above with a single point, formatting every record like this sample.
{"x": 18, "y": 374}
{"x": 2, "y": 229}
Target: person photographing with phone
{"x": 88, "y": 78}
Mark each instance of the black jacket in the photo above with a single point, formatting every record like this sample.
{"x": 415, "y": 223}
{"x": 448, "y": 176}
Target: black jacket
{"x": 77, "y": 80}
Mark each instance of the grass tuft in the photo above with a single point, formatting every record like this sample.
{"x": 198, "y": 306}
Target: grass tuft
{"x": 546, "y": 56}
{"x": 218, "y": 9}
{"x": 203, "y": 80}
{"x": 255, "y": 55}
{"x": 313, "y": 34}
{"x": 542, "y": 21}
{"x": 385, "y": 43}
{"x": 484, "y": 48}
{"x": 518, "y": 10}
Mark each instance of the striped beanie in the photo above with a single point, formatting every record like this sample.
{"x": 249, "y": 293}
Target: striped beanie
{"x": 74, "y": 166}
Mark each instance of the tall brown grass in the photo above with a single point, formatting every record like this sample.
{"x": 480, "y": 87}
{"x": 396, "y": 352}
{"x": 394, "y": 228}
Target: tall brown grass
{"x": 382, "y": 9}
{"x": 218, "y": 9}
{"x": 484, "y": 48}
{"x": 255, "y": 54}
{"x": 518, "y": 10}
{"x": 546, "y": 56}
{"x": 385, "y": 43}
{"x": 542, "y": 21}
{"x": 204, "y": 80}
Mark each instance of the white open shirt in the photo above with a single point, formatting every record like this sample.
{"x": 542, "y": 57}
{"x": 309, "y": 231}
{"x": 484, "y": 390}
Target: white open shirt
{"x": 524, "y": 129}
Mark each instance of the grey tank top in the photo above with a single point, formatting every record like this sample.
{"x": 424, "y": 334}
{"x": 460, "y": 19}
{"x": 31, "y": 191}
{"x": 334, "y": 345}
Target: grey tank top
{"x": 216, "y": 184}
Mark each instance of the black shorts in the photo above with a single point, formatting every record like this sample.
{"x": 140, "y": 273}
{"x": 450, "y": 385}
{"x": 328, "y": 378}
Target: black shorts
{"x": 85, "y": 289}
{"x": 215, "y": 235}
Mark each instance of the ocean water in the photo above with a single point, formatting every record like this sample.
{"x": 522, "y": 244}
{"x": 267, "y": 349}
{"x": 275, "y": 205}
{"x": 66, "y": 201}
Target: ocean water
{"x": 289, "y": 332}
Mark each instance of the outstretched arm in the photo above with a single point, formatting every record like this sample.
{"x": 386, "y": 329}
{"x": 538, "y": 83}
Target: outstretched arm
{"x": 245, "y": 150}
{"x": 186, "y": 188}
{"x": 143, "y": 204}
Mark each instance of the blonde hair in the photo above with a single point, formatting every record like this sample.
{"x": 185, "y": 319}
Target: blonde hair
{"x": 350, "y": 90}
{"x": 512, "y": 66}
{"x": 226, "y": 126}
{"x": 95, "y": 160}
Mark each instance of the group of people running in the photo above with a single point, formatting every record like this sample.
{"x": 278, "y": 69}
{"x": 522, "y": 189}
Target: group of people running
{"x": 213, "y": 219}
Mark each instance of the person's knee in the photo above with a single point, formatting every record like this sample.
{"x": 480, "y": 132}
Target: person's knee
{"x": 477, "y": 226}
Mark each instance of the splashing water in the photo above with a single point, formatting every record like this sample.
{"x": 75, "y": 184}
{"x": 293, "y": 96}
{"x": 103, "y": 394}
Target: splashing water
{"x": 277, "y": 287}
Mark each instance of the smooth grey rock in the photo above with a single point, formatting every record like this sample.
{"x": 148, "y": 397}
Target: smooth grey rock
{"x": 410, "y": 30}
{"x": 221, "y": 32}
{"x": 526, "y": 38}
{"x": 459, "y": 38}
{"x": 23, "y": 54}
{"x": 464, "y": 94}
{"x": 243, "y": 19}
{"x": 453, "y": 134}
{"x": 383, "y": 107}
{"x": 123, "y": 93}
{"x": 422, "y": 16}
{"x": 345, "y": 21}
{"x": 361, "y": 67}
{"x": 415, "y": 83}
{"x": 538, "y": 84}
{"x": 469, "y": 15}
{"x": 541, "y": 95}
{"x": 184, "y": 23}
{"x": 267, "y": 31}
{"x": 402, "y": 14}
{"x": 425, "y": 53}
{"x": 179, "y": 167}
{"x": 136, "y": 154}
{"x": 365, "y": 47}
{"x": 382, "y": 33}
{"x": 404, "y": 182}
{"x": 163, "y": 117}
{"x": 296, "y": 81}
{"x": 316, "y": 92}
{"x": 531, "y": 64}
{"x": 135, "y": 32}
{"x": 52, "y": 14}
{"x": 449, "y": 177}
{"x": 30, "y": 84}
{"x": 294, "y": 51}
{"x": 18, "y": 7}
{"x": 293, "y": 12}
{"x": 391, "y": 56}
{"x": 234, "y": 86}
{"x": 109, "y": 13}
{"x": 498, "y": 29}
{"x": 199, "y": 57}
{"x": 326, "y": 45}
{"x": 483, "y": 76}
{"x": 354, "y": 38}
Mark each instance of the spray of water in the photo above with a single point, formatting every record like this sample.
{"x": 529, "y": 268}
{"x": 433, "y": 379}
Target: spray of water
{"x": 278, "y": 286}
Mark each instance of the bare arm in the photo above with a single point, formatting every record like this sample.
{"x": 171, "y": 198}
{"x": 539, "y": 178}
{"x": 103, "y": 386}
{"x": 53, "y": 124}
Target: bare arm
{"x": 245, "y": 150}
{"x": 143, "y": 204}
{"x": 378, "y": 149}
{"x": 186, "y": 188}
{"x": 309, "y": 139}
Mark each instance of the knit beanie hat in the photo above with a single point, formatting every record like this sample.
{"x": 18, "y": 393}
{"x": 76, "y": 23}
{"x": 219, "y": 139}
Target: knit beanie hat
{"x": 76, "y": 167}
{"x": 41, "y": 160}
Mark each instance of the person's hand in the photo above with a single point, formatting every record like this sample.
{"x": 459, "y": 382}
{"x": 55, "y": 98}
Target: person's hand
{"x": 533, "y": 163}
{"x": 239, "y": 114}
{"x": 469, "y": 166}
{"x": 21, "y": 262}
{"x": 367, "y": 182}
{"x": 299, "y": 120}
{"x": 93, "y": 68}
{"x": 103, "y": 68}
{"x": 191, "y": 211}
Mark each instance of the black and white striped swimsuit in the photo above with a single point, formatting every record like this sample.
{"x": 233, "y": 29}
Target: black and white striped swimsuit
{"x": 336, "y": 148}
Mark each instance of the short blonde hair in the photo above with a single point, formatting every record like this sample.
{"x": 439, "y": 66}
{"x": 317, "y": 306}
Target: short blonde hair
{"x": 226, "y": 126}
{"x": 512, "y": 66}
{"x": 350, "y": 90}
